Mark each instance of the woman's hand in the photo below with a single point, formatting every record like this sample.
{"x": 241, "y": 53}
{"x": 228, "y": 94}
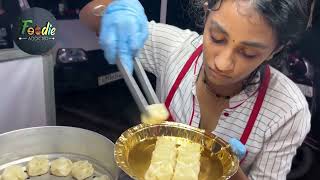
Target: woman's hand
{"x": 123, "y": 31}
{"x": 238, "y": 148}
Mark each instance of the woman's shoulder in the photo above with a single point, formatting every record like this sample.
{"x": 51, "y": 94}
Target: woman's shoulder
{"x": 283, "y": 89}
{"x": 285, "y": 101}
{"x": 171, "y": 30}
{"x": 172, "y": 35}
{"x": 288, "y": 104}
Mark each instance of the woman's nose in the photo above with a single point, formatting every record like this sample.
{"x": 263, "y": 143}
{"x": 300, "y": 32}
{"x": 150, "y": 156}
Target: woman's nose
{"x": 224, "y": 61}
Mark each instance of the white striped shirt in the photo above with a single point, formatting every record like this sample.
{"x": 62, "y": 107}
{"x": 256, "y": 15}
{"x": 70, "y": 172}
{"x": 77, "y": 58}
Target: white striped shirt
{"x": 283, "y": 120}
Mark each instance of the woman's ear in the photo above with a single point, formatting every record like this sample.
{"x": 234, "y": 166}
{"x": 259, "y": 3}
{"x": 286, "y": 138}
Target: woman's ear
{"x": 205, "y": 6}
{"x": 280, "y": 48}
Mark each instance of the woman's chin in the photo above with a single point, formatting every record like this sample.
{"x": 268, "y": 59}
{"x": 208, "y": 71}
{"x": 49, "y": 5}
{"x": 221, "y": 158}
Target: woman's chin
{"x": 218, "y": 82}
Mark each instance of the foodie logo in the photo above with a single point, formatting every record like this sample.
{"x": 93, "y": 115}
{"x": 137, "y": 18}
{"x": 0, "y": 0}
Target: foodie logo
{"x": 35, "y": 30}
{"x": 37, "y": 33}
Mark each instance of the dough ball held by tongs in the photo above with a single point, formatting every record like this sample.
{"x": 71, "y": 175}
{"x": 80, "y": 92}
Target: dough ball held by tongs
{"x": 153, "y": 113}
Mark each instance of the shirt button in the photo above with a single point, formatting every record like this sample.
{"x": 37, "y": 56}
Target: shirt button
{"x": 226, "y": 114}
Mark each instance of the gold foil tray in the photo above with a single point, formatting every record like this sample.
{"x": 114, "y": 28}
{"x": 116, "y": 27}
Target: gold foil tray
{"x": 133, "y": 150}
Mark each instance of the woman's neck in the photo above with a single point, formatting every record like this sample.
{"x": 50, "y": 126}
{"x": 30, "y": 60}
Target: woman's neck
{"x": 226, "y": 91}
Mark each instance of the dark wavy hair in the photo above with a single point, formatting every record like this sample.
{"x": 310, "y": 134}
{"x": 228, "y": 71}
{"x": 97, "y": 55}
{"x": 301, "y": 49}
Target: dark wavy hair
{"x": 288, "y": 18}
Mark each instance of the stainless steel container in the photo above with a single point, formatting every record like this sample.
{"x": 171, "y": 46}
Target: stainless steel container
{"x": 18, "y": 147}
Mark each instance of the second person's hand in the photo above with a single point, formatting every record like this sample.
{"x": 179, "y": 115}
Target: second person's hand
{"x": 124, "y": 29}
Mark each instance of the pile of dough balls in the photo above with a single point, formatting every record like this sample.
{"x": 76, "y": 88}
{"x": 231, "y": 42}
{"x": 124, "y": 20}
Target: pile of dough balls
{"x": 156, "y": 114}
{"x": 60, "y": 167}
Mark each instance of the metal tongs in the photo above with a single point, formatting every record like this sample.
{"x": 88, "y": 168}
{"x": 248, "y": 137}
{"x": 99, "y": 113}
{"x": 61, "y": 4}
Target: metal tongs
{"x": 134, "y": 88}
{"x": 130, "y": 81}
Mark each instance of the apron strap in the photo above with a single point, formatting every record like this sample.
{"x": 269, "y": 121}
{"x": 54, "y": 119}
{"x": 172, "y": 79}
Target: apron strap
{"x": 257, "y": 106}
{"x": 180, "y": 77}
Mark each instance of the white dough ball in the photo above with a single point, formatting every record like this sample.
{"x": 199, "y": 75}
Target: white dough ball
{"x": 82, "y": 170}
{"x": 38, "y": 166}
{"x": 14, "y": 172}
{"x": 157, "y": 113}
{"x": 61, "y": 167}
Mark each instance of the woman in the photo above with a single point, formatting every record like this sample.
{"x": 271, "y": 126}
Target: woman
{"x": 219, "y": 81}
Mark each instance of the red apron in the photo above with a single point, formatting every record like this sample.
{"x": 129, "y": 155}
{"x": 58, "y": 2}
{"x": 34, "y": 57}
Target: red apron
{"x": 256, "y": 108}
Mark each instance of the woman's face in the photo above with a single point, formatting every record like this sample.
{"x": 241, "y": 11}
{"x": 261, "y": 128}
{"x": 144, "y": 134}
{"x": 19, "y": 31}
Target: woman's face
{"x": 236, "y": 41}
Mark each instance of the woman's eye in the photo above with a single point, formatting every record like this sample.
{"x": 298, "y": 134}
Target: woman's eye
{"x": 217, "y": 40}
{"x": 247, "y": 55}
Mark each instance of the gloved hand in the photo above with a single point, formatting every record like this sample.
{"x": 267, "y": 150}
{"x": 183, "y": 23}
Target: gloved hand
{"x": 124, "y": 29}
{"x": 238, "y": 148}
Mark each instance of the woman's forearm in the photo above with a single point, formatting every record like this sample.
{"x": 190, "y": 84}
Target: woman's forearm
{"x": 239, "y": 175}
{"x": 88, "y": 18}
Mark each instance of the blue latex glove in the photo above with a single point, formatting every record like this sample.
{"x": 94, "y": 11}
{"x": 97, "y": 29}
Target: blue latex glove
{"x": 124, "y": 29}
{"x": 238, "y": 148}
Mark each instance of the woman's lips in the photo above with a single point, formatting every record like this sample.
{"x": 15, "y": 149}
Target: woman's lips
{"x": 217, "y": 74}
